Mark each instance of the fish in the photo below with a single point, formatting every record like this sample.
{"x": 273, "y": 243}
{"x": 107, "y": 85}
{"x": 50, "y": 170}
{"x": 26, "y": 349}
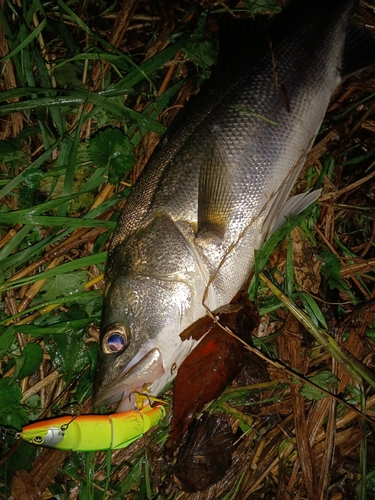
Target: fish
{"x": 212, "y": 190}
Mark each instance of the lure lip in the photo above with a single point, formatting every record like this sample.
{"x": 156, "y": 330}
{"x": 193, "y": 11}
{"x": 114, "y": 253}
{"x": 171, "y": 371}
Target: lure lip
{"x": 142, "y": 371}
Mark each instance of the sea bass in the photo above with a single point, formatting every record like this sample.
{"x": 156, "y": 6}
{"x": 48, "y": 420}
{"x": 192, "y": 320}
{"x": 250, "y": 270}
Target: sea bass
{"x": 212, "y": 190}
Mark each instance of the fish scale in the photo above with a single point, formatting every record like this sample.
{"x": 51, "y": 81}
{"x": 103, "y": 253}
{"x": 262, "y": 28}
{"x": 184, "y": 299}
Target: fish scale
{"x": 211, "y": 192}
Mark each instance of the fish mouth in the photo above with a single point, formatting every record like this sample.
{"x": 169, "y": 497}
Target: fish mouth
{"x": 144, "y": 369}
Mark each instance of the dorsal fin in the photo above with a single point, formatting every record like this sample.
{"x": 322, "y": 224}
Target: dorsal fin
{"x": 239, "y": 35}
{"x": 359, "y": 50}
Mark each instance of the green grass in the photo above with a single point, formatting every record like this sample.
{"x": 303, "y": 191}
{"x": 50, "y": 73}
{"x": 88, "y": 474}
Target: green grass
{"x": 68, "y": 145}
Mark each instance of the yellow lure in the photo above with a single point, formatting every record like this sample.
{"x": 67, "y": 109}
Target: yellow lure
{"x": 93, "y": 432}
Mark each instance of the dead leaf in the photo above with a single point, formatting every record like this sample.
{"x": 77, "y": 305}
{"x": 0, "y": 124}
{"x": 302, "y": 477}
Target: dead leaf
{"x": 23, "y": 487}
{"x": 206, "y": 455}
{"x": 306, "y": 265}
{"x": 202, "y": 377}
{"x": 212, "y": 365}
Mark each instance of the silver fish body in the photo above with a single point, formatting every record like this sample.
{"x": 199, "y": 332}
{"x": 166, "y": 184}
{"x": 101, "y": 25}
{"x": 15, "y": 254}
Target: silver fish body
{"x": 210, "y": 192}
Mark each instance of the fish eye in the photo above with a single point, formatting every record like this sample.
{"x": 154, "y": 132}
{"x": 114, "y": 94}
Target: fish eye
{"x": 37, "y": 440}
{"x": 116, "y": 339}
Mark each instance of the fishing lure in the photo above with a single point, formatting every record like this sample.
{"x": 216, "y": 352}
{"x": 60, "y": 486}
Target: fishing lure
{"x": 93, "y": 432}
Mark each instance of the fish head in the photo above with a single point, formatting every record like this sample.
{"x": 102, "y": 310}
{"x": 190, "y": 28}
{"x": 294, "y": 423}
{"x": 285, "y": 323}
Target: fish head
{"x": 139, "y": 338}
{"x": 150, "y": 297}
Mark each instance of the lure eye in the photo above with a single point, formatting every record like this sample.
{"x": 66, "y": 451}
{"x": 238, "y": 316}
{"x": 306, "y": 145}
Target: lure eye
{"x": 38, "y": 440}
{"x": 116, "y": 339}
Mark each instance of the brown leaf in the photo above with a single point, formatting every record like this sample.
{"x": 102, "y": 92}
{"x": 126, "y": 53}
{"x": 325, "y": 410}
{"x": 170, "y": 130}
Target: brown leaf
{"x": 202, "y": 377}
{"x": 306, "y": 265}
{"x": 23, "y": 487}
{"x": 197, "y": 329}
{"x": 212, "y": 365}
{"x": 206, "y": 455}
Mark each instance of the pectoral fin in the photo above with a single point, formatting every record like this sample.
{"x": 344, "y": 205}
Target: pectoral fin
{"x": 215, "y": 201}
{"x": 295, "y": 205}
